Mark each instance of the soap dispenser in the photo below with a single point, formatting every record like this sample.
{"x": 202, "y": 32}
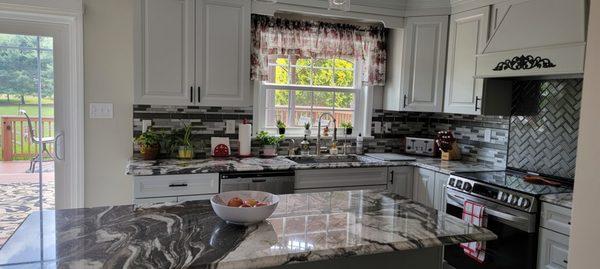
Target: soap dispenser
{"x": 304, "y": 147}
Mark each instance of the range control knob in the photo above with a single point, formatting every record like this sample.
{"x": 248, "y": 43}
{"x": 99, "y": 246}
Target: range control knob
{"x": 467, "y": 186}
{"x": 514, "y": 200}
{"x": 451, "y": 183}
{"x": 524, "y": 203}
{"x": 458, "y": 184}
{"x": 504, "y": 197}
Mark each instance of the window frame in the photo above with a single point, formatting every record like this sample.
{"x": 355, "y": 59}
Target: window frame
{"x": 262, "y": 87}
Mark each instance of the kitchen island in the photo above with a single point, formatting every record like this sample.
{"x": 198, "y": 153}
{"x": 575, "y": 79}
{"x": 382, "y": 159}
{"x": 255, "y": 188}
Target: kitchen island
{"x": 350, "y": 229}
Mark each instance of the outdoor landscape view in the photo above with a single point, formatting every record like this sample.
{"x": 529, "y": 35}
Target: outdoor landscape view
{"x": 26, "y": 80}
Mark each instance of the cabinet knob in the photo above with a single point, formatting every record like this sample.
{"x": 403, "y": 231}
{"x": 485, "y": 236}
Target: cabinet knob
{"x": 404, "y": 101}
{"x": 198, "y": 94}
{"x": 392, "y": 174}
{"x": 477, "y": 99}
{"x": 191, "y": 94}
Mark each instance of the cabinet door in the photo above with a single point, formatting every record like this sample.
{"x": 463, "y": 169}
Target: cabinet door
{"x": 424, "y": 186}
{"x": 340, "y": 177}
{"x": 468, "y": 37}
{"x": 223, "y": 52}
{"x": 165, "y": 52}
{"x": 440, "y": 191}
{"x": 424, "y": 64}
{"x": 400, "y": 180}
{"x": 553, "y": 250}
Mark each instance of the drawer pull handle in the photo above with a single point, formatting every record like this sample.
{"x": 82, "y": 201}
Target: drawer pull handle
{"x": 565, "y": 261}
{"x": 177, "y": 185}
{"x": 259, "y": 180}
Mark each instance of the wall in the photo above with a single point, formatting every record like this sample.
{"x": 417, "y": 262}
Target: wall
{"x": 108, "y": 61}
{"x": 585, "y": 235}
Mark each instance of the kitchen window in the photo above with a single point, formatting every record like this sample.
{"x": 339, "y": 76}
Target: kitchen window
{"x": 301, "y": 89}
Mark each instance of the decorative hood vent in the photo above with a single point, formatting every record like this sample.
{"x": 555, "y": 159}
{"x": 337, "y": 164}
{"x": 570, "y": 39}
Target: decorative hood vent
{"x": 535, "y": 38}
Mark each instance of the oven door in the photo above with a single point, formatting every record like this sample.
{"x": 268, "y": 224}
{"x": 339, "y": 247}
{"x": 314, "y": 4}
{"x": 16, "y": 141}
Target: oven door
{"x": 516, "y": 246}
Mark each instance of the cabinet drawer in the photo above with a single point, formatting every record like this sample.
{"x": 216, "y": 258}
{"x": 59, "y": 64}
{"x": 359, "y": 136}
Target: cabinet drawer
{"x": 341, "y": 177}
{"x": 556, "y": 218}
{"x": 178, "y": 185}
{"x": 554, "y": 250}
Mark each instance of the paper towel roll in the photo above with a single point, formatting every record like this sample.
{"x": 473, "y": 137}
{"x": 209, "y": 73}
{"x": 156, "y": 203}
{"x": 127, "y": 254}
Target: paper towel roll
{"x": 245, "y": 139}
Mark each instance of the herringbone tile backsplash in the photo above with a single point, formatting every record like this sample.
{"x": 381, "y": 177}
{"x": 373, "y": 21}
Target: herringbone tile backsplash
{"x": 544, "y": 126}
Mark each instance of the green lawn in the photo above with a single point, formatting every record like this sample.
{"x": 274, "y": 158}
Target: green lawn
{"x": 29, "y": 99}
{"x": 32, "y": 110}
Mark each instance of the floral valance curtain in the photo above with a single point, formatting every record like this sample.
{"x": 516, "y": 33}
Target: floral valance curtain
{"x": 279, "y": 36}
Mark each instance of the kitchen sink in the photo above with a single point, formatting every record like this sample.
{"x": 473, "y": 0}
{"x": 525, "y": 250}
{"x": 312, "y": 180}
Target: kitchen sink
{"x": 325, "y": 159}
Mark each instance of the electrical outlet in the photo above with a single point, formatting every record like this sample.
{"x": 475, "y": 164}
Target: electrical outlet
{"x": 145, "y": 125}
{"x": 101, "y": 110}
{"x": 487, "y": 135}
{"x": 388, "y": 127}
{"x": 230, "y": 126}
{"x": 377, "y": 127}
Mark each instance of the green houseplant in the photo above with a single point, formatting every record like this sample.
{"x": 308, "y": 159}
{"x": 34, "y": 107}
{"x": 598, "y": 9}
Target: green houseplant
{"x": 149, "y": 144}
{"x": 348, "y": 127}
{"x": 269, "y": 143}
{"x": 281, "y": 126}
{"x": 181, "y": 142}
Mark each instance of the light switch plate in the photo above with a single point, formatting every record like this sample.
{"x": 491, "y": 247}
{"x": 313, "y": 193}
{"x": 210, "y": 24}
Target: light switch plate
{"x": 101, "y": 110}
{"x": 230, "y": 126}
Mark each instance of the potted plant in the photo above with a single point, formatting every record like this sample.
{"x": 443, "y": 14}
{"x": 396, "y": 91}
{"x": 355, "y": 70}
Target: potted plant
{"x": 307, "y": 129}
{"x": 348, "y": 127}
{"x": 181, "y": 142}
{"x": 149, "y": 144}
{"x": 281, "y": 126}
{"x": 269, "y": 143}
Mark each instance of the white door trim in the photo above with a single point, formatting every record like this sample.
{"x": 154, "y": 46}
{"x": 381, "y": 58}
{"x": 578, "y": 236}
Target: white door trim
{"x": 70, "y": 22}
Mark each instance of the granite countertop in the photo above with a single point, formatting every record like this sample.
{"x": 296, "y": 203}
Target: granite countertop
{"x": 561, "y": 199}
{"x": 138, "y": 167}
{"x": 305, "y": 227}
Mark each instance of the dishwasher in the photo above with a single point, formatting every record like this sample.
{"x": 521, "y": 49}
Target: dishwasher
{"x": 276, "y": 182}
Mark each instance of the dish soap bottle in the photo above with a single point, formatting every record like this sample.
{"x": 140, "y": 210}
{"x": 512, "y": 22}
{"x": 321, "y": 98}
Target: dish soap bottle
{"x": 304, "y": 147}
{"x": 359, "y": 144}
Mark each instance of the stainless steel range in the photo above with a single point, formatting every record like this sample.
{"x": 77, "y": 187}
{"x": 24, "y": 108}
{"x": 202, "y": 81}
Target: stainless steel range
{"x": 512, "y": 207}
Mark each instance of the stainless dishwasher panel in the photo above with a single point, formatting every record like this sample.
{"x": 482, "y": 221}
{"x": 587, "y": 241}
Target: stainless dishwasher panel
{"x": 276, "y": 182}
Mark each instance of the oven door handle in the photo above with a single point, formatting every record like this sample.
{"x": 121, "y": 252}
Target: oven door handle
{"x": 506, "y": 216}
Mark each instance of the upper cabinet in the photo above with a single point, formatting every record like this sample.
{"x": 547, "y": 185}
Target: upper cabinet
{"x": 417, "y": 65}
{"x": 165, "y": 52}
{"x": 468, "y": 37}
{"x": 223, "y": 52}
{"x": 193, "y": 52}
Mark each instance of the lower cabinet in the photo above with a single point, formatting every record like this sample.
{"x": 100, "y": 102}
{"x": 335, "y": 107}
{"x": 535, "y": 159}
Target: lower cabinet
{"x": 355, "y": 178}
{"x": 553, "y": 250}
{"x": 174, "y": 188}
{"x": 400, "y": 180}
{"x": 424, "y": 186}
{"x": 439, "y": 198}
{"x": 553, "y": 245}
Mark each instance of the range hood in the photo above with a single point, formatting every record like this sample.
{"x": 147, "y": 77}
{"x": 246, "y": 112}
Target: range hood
{"x": 541, "y": 38}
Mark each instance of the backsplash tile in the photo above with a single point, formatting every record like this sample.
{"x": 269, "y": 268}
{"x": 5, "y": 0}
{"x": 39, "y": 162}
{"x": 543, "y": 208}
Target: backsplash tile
{"x": 544, "y": 128}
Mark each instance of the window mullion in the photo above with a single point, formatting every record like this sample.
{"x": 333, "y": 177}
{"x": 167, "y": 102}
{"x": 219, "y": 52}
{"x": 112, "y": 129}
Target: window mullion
{"x": 291, "y": 107}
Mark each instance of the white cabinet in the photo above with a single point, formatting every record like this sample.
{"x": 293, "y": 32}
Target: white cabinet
{"x": 174, "y": 188}
{"x": 440, "y": 192}
{"x": 468, "y": 37}
{"x": 417, "y": 73}
{"x": 555, "y": 222}
{"x": 553, "y": 250}
{"x": 193, "y": 52}
{"x": 424, "y": 186}
{"x": 165, "y": 52}
{"x": 223, "y": 52}
{"x": 400, "y": 180}
{"x": 341, "y": 177}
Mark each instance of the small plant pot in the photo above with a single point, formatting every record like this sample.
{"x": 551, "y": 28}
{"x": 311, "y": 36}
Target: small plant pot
{"x": 281, "y": 131}
{"x": 269, "y": 150}
{"x": 150, "y": 152}
{"x": 185, "y": 152}
{"x": 348, "y": 131}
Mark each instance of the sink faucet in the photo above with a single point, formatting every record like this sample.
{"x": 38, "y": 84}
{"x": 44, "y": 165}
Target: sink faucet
{"x": 319, "y": 131}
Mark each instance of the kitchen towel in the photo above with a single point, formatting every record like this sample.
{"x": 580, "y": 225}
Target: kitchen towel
{"x": 474, "y": 213}
{"x": 245, "y": 139}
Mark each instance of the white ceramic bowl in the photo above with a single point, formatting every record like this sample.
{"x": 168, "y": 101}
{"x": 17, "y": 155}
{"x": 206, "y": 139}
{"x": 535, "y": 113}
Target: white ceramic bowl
{"x": 244, "y": 215}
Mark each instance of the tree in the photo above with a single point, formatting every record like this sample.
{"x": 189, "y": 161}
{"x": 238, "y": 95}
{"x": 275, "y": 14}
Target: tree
{"x": 18, "y": 66}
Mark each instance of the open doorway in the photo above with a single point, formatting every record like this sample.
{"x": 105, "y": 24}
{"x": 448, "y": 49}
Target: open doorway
{"x": 27, "y": 137}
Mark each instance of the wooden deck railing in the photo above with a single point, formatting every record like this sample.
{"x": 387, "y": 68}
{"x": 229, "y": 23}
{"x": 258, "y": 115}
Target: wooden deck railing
{"x": 341, "y": 115}
{"x": 16, "y": 139}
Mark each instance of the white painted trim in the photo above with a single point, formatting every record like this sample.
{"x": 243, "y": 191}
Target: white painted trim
{"x": 70, "y": 22}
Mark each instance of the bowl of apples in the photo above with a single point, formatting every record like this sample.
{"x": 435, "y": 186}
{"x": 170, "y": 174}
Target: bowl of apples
{"x": 244, "y": 207}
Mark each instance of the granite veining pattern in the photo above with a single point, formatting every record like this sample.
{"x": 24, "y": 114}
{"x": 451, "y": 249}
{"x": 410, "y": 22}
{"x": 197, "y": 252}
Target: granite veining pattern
{"x": 305, "y": 227}
{"x": 139, "y": 167}
{"x": 561, "y": 199}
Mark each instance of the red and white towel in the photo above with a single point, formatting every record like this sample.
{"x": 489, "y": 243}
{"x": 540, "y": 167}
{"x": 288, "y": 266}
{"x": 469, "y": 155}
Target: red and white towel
{"x": 474, "y": 213}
